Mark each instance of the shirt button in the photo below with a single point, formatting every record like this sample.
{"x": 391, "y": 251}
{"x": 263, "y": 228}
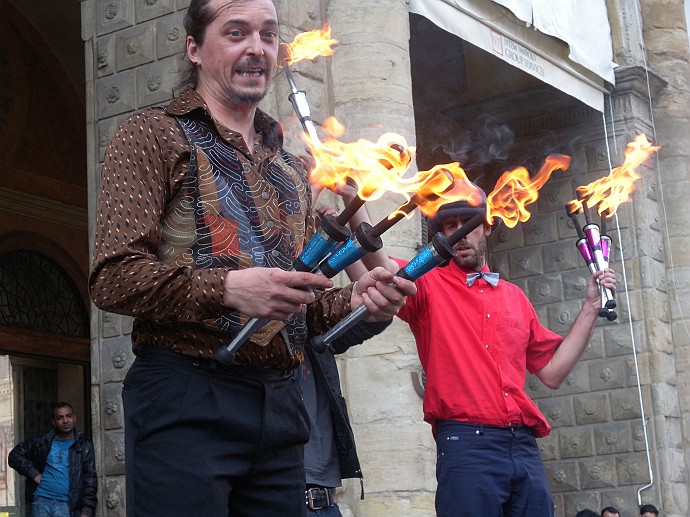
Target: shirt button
{"x": 270, "y": 224}
{"x": 275, "y": 253}
{"x": 488, "y": 315}
{"x": 506, "y": 394}
{"x": 486, "y": 346}
{"x": 265, "y": 195}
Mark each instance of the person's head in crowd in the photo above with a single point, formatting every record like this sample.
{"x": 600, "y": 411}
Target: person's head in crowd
{"x": 648, "y": 510}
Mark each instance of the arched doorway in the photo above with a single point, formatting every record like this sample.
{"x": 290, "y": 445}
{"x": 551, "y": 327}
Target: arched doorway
{"x": 44, "y": 355}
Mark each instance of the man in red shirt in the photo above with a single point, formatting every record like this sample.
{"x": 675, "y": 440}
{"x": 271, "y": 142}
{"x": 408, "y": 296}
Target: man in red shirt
{"x": 476, "y": 335}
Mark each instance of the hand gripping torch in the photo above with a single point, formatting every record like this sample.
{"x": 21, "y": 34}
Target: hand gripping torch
{"x": 438, "y": 252}
{"x": 589, "y": 254}
{"x": 329, "y": 234}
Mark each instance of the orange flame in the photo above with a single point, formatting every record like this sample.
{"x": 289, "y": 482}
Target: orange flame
{"x": 463, "y": 190}
{"x": 609, "y": 192}
{"x": 375, "y": 167}
{"x": 310, "y": 45}
{"x": 514, "y": 190}
{"x": 432, "y": 183}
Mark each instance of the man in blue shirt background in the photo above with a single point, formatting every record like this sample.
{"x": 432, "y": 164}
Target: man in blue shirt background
{"x": 60, "y": 468}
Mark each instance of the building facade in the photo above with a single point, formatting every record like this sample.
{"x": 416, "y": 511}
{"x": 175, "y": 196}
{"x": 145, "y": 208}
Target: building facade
{"x": 621, "y": 420}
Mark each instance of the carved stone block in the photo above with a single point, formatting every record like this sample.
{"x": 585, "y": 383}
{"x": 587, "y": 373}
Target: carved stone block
{"x": 504, "y": 238}
{"x": 548, "y": 447}
{"x": 575, "y": 442}
{"x": 134, "y": 46}
{"x": 562, "y": 476}
{"x": 575, "y": 283}
{"x": 501, "y": 265}
{"x": 116, "y": 358}
{"x": 578, "y": 501}
{"x": 595, "y": 348}
{"x": 558, "y": 411}
{"x": 617, "y": 339}
{"x": 562, "y": 315}
{"x": 597, "y": 157}
{"x": 113, "y": 417}
{"x": 525, "y": 262}
{"x": 545, "y": 289}
{"x": 110, "y": 324}
{"x": 591, "y": 408}
{"x": 625, "y": 403}
{"x": 535, "y": 388}
{"x": 113, "y": 15}
{"x": 114, "y": 453}
{"x": 632, "y": 469}
{"x": 127, "y": 324}
{"x": 155, "y": 82}
{"x": 576, "y": 382}
{"x": 170, "y": 35}
{"x": 114, "y": 497}
{"x": 598, "y": 473}
{"x": 106, "y": 128}
{"x": 540, "y": 228}
{"x": 116, "y": 95}
{"x": 638, "y": 437}
{"x": 619, "y": 498}
{"x": 556, "y": 193}
{"x": 105, "y": 55}
{"x": 608, "y": 374}
{"x": 559, "y": 257}
{"x": 612, "y": 438}
{"x": 149, "y": 9}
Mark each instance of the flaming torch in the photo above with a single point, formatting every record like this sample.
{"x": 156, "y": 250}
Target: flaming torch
{"x": 374, "y": 166}
{"x": 606, "y": 194}
{"x": 514, "y": 191}
{"x": 306, "y": 45}
{"x": 367, "y": 238}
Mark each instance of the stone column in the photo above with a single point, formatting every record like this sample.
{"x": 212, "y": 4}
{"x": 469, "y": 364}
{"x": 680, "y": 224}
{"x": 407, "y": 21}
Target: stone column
{"x": 666, "y": 45}
{"x": 371, "y": 94}
{"x": 651, "y": 96}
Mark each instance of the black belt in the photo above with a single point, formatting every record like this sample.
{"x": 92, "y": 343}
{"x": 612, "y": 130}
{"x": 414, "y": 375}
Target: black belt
{"x": 210, "y": 365}
{"x": 480, "y": 428}
{"x": 319, "y": 497}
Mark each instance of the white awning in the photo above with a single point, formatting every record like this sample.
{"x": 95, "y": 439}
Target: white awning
{"x": 576, "y": 61}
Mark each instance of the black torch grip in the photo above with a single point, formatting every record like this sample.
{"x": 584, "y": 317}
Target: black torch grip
{"x": 226, "y": 354}
{"x": 319, "y": 343}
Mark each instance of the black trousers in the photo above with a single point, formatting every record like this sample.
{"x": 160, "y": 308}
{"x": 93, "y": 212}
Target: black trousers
{"x": 213, "y": 442}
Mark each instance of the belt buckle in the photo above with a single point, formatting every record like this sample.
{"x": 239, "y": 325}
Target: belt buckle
{"x": 311, "y": 498}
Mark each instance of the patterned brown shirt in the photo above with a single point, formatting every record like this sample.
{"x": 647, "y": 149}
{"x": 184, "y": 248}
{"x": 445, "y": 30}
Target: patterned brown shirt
{"x": 145, "y": 233}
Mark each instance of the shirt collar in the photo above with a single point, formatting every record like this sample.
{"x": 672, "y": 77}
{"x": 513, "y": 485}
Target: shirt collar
{"x": 269, "y": 132}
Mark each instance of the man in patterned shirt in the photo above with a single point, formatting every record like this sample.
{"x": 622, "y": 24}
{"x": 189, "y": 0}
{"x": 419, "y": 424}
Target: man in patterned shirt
{"x": 200, "y": 216}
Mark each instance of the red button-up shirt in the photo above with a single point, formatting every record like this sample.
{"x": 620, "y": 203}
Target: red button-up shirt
{"x": 475, "y": 344}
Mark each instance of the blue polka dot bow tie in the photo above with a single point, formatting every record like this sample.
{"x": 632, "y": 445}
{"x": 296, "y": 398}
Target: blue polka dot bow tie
{"x": 491, "y": 278}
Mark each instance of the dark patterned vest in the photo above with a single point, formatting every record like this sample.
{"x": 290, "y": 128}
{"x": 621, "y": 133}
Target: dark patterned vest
{"x": 240, "y": 218}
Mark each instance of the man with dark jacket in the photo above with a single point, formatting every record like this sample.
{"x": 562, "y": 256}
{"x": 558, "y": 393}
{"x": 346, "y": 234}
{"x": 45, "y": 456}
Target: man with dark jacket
{"x": 60, "y": 468}
{"x": 330, "y": 455}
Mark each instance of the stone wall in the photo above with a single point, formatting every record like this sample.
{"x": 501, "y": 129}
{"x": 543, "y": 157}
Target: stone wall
{"x": 596, "y": 454}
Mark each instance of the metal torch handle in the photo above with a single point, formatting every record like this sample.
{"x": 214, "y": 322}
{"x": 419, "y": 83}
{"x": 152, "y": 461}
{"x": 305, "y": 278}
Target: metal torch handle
{"x": 319, "y": 343}
{"x": 226, "y": 354}
{"x": 601, "y": 266}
